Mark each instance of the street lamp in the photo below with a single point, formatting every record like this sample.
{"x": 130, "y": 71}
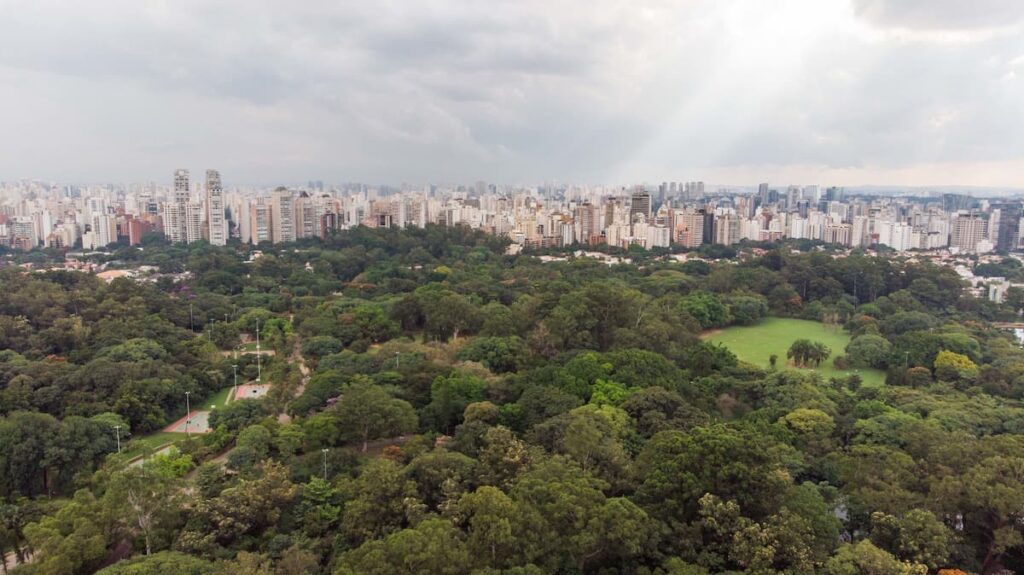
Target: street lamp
{"x": 234, "y": 371}
{"x": 259, "y": 355}
{"x": 324, "y": 451}
{"x": 117, "y": 431}
{"x": 188, "y": 413}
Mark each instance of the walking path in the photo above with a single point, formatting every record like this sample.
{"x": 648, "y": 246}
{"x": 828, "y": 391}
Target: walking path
{"x": 297, "y": 359}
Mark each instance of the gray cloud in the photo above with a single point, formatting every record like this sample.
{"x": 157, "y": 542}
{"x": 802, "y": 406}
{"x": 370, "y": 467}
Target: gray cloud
{"x": 941, "y": 14}
{"x": 514, "y": 91}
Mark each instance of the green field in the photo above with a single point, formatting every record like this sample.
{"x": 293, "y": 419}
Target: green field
{"x": 145, "y": 444}
{"x": 756, "y": 343}
{"x": 220, "y": 399}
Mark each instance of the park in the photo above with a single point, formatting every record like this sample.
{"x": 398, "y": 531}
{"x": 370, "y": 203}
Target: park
{"x": 756, "y": 344}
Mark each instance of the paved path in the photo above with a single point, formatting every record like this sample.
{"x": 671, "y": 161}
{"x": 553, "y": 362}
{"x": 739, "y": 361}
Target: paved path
{"x": 140, "y": 460}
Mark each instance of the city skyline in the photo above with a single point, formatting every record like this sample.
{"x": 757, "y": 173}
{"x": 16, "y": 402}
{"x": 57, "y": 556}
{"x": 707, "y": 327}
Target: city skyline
{"x": 686, "y": 214}
{"x": 838, "y": 92}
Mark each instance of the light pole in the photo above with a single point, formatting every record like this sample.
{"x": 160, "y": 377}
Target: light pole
{"x": 324, "y": 451}
{"x": 259, "y": 355}
{"x": 117, "y": 432}
{"x": 398, "y": 356}
{"x": 188, "y": 413}
{"x": 234, "y": 371}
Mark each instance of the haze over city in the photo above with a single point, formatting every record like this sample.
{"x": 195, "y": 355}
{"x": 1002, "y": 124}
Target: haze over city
{"x": 887, "y": 92}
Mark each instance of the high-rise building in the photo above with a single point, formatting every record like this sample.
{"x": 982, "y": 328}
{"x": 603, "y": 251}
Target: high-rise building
{"x": 175, "y": 213}
{"x": 260, "y": 224}
{"x": 640, "y": 203}
{"x": 216, "y": 224}
{"x": 282, "y": 209}
{"x": 689, "y": 229}
{"x": 968, "y": 230}
{"x": 1007, "y": 230}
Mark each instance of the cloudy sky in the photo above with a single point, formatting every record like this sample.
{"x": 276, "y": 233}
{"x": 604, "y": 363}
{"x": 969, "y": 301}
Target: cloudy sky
{"x": 895, "y": 92}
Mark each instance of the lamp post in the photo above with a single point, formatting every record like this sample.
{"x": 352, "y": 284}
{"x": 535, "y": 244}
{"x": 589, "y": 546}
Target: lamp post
{"x": 324, "y": 451}
{"x": 188, "y": 413}
{"x": 259, "y": 355}
{"x": 234, "y": 371}
{"x": 117, "y": 432}
{"x": 398, "y": 357}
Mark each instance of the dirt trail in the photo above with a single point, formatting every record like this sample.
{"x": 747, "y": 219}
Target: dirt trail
{"x": 297, "y": 359}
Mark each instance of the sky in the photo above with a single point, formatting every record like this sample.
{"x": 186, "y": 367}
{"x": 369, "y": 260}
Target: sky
{"x": 828, "y": 92}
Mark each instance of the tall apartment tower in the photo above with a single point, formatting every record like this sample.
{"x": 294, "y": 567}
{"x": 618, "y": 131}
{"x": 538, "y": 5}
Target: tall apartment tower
{"x": 175, "y": 216}
{"x": 217, "y": 227}
{"x": 260, "y": 218}
{"x": 282, "y": 208}
{"x": 182, "y": 191}
{"x": 968, "y": 230}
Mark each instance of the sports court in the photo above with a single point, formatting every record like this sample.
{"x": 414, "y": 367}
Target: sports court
{"x": 196, "y": 422}
{"x": 252, "y": 391}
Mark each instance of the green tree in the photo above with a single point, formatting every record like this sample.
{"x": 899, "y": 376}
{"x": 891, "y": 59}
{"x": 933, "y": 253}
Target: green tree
{"x": 145, "y": 503}
{"x": 950, "y": 366}
{"x": 246, "y": 508}
{"x": 432, "y": 546}
{"x": 320, "y": 508}
{"x": 708, "y": 309}
{"x": 161, "y": 563}
{"x": 676, "y": 469}
{"x": 72, "y": 540}
{"x": 917, "y": 537}
{"x": 869, "y": 351}
{"x": 449, "y": 397}
{"x": 864, "y": 558}
{"x": 367, "y": 411}
{"x": 379, "y": 502}
{"x": 498, "y": 531}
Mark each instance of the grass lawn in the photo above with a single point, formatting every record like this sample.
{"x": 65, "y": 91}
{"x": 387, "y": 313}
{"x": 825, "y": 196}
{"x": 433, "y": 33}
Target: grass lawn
{"x": 220, "y": 399}
{"x": 756, "y": 343}
{"x": 144, "y": 444}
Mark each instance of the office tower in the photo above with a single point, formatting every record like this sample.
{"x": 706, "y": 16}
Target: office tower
{"x": 282, "y": 215}
{"x": 762, "y": 193}
{"x": 709, "y": 225}
{"x": 216, "y": 224}
{"x": 956, "y": 202}
{"x": 1007, "y": 229}
{"x": 640, "y": 203}
{"x": 834, "y": 194}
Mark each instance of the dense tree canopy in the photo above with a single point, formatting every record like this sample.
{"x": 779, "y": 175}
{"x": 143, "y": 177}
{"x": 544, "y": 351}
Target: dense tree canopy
{"x": 439, "y": 406}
